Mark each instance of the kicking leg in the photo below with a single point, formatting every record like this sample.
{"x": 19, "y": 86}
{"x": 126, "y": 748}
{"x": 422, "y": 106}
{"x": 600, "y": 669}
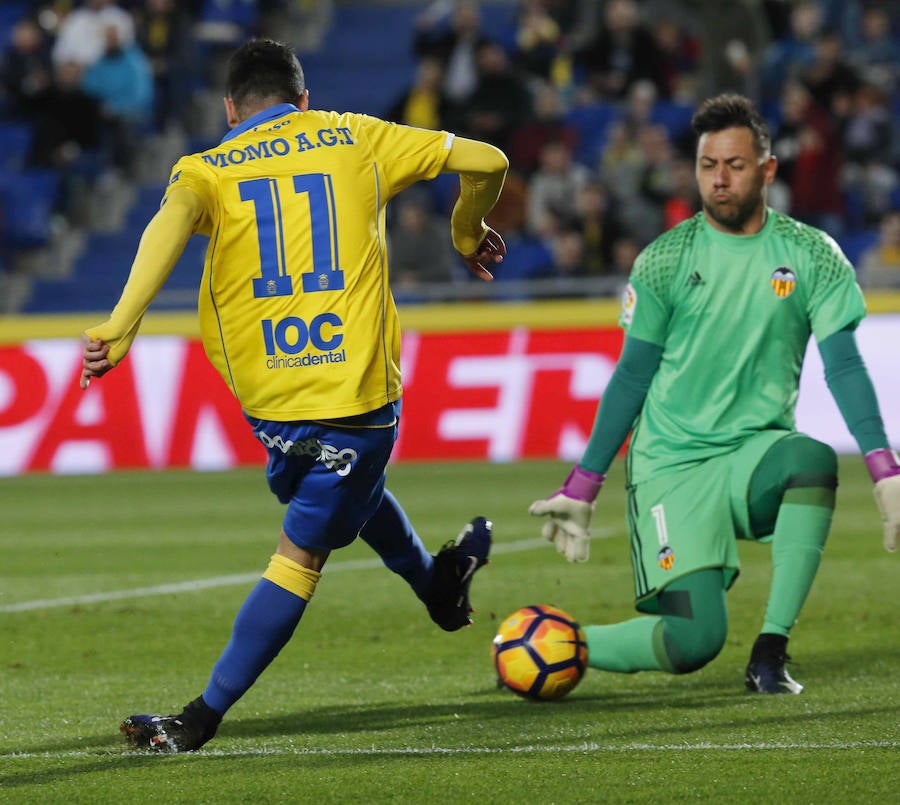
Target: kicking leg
{"x": 391, "y": 535}
{"x": 442, "y": 581}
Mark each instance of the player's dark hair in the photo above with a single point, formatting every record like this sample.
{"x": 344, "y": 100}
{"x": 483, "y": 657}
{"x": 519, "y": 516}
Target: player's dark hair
{"x": 263, "y": 70}
{"x": 732, "y": 111}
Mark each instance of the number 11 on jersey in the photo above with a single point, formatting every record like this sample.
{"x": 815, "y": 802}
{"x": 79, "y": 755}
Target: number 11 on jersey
{"x": 276, "y": 280}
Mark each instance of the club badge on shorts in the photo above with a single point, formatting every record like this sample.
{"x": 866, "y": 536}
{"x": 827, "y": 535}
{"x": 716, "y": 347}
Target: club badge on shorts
{"x": 666, "y": 558}
{"x": 783, "y": 281}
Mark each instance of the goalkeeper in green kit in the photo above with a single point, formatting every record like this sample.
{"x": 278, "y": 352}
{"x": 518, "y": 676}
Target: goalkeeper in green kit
{"x": 718, "y": 313}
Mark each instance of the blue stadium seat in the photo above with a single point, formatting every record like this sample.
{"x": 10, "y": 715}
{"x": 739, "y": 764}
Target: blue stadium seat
{"x": 592, "y": 123}
{"x": 855, "y": 243}
{"x": 15, "y": 143}
{"x": 676, "y": 117}
{"x": 27, "y": 201}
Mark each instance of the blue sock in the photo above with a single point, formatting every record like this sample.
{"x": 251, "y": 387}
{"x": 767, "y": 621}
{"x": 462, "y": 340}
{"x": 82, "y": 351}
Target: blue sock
{"x": 264, "y": 624}
{"x": 392, "y": 537}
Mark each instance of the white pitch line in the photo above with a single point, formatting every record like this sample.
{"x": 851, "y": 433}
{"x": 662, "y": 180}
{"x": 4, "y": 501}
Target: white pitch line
{"x": 588, "y": 747}
{"x": 236, "y": 579}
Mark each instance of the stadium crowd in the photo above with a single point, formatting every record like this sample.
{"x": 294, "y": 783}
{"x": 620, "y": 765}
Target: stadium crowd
{"x": 590, "y": 100}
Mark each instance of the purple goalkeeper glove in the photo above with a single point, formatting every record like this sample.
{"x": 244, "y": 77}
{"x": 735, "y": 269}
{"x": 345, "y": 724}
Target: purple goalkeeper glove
{"x": 569, "y": 511}
{"x": 885, "y": 471}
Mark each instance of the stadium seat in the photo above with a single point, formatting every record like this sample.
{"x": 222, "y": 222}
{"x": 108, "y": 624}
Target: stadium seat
{"x": 855, "y": 243}
{"x": 15, "y": 143}
{"x": 592, "y": 123}
{"x": 676, "y": 117}
{"x": 27, "y": 202}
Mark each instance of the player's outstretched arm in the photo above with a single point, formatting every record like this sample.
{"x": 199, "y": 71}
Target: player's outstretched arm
{"x": 162, "y": 243}
{"x": 852, "y": 389}
{"x": 482, "y": 171}
{"x": 570, "y": 508}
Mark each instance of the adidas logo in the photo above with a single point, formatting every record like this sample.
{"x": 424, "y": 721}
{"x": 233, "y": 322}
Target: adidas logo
{"x": 695, "y": 279}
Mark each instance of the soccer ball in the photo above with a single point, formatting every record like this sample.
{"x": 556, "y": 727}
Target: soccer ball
{"x": 540, "y": 652}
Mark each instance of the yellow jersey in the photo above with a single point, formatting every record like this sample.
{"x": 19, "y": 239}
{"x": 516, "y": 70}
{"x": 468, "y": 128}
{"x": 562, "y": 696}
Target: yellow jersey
{"x": 295, "y": 306}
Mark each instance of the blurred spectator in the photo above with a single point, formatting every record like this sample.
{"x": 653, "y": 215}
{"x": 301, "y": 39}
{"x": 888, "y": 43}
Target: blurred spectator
{"x": 66, "y": 120}
{"x": 163, "y": 30}
{"x": 879, "y": 266}
{"x": 419, "y": 244}
{"x": 830, "y": 77}
{"x": 68, "y": 138}
{"x": 809, "y": 157}
{"x": 637, "y": 108}
{"x": 869, "y": 136}
{"x": 878, "y": 51}
{"x": 621, "y": 162}
{"x": 527, "y": 257}
{"x": 500, "y": 102}
{"x": 546, "y": 123}
{"x": 26, "y": 70}
{"x": 538, "y": 40}
{"x": 683, "y": 200}
{"x": 599, "y": 228}
{"x": 794, "y": 51}
{"x": 734, "y": 37}
{"x": 553, "y": 191}
{"x": 82, "y": 37}
{"x": 450, "y": 30}
{"x": 568, "y": 249}
{"x": 423, "y": 104}
{"x": 622, "y": 52}
{"x": 122, "y": 81}
{"x": 678, "y": 57}
{"x": 625, "y": 252}
{"x": 646, "y": 211}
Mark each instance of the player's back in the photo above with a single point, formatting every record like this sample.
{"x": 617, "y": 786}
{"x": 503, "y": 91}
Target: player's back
{"x": 295, "y": 306}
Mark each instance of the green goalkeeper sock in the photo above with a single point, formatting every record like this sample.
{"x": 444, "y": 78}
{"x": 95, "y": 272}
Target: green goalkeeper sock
{"x": 634, "y": 645}
{"x": 799, "y": 538}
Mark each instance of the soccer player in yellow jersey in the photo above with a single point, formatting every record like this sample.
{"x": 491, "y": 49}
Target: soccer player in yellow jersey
{"x": 296, "y": 314}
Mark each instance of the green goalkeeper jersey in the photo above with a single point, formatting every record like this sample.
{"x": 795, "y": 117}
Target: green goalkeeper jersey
{"x": 733, "y": 315}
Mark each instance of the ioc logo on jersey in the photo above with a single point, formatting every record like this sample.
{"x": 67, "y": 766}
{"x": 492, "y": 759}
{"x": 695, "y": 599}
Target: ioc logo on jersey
{"x": 292, "y": 335}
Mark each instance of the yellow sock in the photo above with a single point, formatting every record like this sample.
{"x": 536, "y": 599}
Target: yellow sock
{"x": 291, "y": 576}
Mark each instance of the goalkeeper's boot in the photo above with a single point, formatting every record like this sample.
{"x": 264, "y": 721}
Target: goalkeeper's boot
{"x": 447, "y": 597}
{"x": 766, "y": 672}
{"x": 187, "y": 731}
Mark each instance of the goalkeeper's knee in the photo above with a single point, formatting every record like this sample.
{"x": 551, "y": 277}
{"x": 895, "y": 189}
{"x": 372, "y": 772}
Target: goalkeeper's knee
{"x": 690, "y": 644}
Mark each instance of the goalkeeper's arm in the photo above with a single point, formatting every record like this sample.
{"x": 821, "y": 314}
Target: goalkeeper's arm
{"x": 161, "y": 244}
{"x": 852, "y": 389}
{"x": 569, "y": 509}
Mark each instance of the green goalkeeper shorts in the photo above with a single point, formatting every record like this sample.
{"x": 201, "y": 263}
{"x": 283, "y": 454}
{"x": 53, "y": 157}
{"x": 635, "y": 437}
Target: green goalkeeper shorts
{"x": 689, "y": 520}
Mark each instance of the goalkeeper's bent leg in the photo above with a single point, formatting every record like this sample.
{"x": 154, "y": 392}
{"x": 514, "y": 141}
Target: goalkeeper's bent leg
{"x": 807, "y": 470}
{"x": 264, "y": 624}
{"x": 392, "y": 537}
{"x": 690, "y": 632}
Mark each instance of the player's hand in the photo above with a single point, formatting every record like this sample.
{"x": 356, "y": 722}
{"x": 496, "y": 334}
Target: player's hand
{"x": 885, "y": 471}
{"x": 887, "y": 496}
{"x": 489, "y": 252}
{"x": 95, "y": 363}
{"x": 567, "y": 526}
{"x": 568, "y": 512}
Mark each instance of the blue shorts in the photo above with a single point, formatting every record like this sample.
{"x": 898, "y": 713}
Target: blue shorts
{"x": 330, "y": 473}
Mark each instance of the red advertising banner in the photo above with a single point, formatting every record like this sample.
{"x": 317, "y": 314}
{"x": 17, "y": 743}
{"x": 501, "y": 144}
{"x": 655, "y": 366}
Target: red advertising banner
{"x": 497, "y": 396}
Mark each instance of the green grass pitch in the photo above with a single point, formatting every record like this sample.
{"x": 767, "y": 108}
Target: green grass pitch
{"x": 117, "y": 594}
